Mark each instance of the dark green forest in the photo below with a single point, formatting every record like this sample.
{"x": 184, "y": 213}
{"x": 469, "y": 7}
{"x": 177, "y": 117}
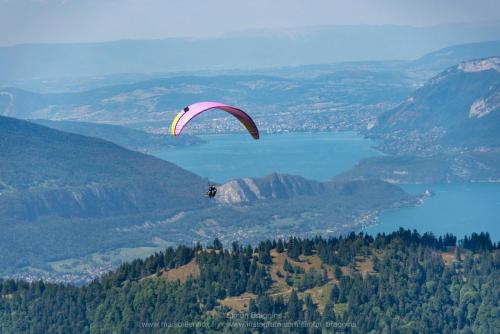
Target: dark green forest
{"x": 418, "y": 284}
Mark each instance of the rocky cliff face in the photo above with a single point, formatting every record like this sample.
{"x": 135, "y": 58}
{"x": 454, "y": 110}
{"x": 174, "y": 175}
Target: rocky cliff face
{"x": 274, "y": 186}
{"x": 365, "y": 193}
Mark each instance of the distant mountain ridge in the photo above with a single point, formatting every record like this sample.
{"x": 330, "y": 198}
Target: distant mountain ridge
{"x": 150, "y": 105}
{"x": 335, "y": 43}
{"x": 424, "y": 67}
{"x": 453, "y": 55}
{"x": 342, "y": 96}
{"x": 446, "y": 131}
{"x": 127, "y": 137}
{"x": 459, "y": 109}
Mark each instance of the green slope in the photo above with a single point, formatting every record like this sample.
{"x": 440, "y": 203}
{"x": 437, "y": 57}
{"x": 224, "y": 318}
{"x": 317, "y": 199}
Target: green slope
{"x": 49, "y": 172}
{"x": 133, "y": 139}
{"x": 458, "y": 109}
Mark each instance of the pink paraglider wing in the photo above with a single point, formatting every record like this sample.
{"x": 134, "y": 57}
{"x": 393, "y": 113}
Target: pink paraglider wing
{"x": 196, "y": 109}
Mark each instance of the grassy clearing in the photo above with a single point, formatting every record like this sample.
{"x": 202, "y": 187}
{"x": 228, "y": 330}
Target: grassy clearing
{"x": 238, "y": 303}
{"x": 319, "y": 294}
{"x": 279, "y": 286}
{"x": 449, "y": 256}
{"x": 364, "y": 265}
{"x": 182, "y": 273}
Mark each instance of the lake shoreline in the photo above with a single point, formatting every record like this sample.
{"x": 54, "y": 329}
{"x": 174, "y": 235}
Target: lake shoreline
{"x": 292, "y": 150}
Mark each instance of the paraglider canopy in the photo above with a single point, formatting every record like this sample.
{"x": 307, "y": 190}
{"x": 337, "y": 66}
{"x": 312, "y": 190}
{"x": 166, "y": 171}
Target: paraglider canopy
{"x": 190, "y": 112}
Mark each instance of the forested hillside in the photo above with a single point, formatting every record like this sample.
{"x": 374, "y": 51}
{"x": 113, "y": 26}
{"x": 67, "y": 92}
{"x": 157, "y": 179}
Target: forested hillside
{"x": 455, "y": 111}
{"x": 446, "y": 131}
{"x": 403, "y": 282}
{"x": 123, "y": 136}
{"x": 45, "y": 172}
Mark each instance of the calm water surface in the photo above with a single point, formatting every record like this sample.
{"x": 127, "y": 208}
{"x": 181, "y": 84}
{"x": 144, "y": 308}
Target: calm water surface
{"x": 318, "y": 156}
{"x": 457, "y": 208}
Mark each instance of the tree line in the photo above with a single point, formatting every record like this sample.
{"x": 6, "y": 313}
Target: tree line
{"x": 411, "y": 290}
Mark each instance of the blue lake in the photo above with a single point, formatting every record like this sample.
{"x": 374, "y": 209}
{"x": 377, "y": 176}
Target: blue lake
{"x": 318, "y": 156}
{"x": 456, "y": 208}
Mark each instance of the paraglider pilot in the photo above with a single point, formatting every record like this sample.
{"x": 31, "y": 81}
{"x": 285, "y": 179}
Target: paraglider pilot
{"x": 212, "y": 190}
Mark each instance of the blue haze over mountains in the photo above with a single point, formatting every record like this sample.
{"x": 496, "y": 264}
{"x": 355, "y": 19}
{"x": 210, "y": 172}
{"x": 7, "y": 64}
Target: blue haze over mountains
{"x": 292, "y": 47}
{"x": 67, "y": 185}
{"x": 342, "y": 96}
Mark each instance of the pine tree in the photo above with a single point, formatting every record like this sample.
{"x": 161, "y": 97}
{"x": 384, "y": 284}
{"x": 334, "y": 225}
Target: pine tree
{"x": 337, "y": 272}
{"x": 458, "y": 254}
{"x": 306, "y": 247}
{"x": 279, "y": 246}
{"x": 265, "y": 255}
{"x": 217, "y": 244}
{"x": 329, "y": 312}
{"x": 294, "y": 307}
{"x": 293, "y": 250}
{"x": 335, "y": 294}
{"x": 311, "y": 312}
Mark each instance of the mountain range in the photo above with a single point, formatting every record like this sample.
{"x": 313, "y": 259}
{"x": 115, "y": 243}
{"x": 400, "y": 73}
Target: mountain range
{"x": 293, "y": 104}
{"x": 70, "y": 202}
{"x": 453, "y": 55}
{"x": 290, "y": 47}
{"x": 65, "y": 184}
{"x": 342, "y": 96}
{"x": 446, "y": 131}
{"x": 457, "y": 110}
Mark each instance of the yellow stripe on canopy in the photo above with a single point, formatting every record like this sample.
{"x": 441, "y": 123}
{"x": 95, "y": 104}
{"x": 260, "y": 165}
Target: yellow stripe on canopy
{"x": 174, "y": 123}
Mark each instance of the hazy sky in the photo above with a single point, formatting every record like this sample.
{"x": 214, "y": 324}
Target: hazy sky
{"x": 24, "y": 21}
